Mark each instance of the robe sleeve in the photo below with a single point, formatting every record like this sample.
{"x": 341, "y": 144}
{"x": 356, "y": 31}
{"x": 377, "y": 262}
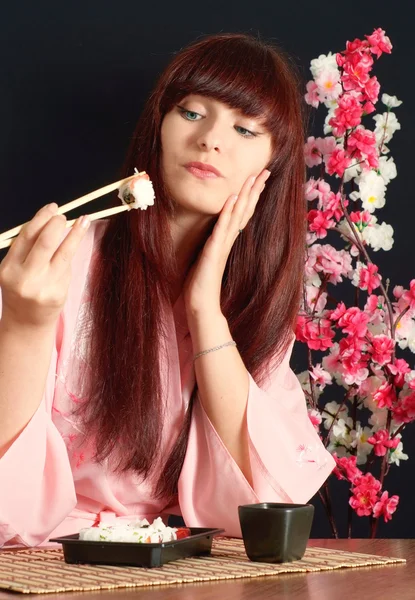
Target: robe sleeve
{"x": 37, "y": 489}
{"x": 289, "y": 462}
{"x": 36, "y": 483}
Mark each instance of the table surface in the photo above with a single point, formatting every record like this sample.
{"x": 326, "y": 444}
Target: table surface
{"x": 380, "y": 582}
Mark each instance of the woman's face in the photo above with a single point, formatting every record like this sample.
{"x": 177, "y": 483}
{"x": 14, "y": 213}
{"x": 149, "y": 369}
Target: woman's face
{"x": 201, "y": 129}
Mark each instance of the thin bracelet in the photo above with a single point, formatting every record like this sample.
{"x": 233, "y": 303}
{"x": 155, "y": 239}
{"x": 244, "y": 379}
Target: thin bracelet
{"x": 231, "y": 343}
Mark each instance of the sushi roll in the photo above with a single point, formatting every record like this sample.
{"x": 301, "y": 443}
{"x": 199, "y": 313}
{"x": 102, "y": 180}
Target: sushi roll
{"x": 135, "y": 532}
{"x": 138, "y": 192}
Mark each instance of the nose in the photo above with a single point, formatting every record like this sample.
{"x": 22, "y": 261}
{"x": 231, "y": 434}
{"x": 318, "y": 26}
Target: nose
{"x": 210, "y": 138}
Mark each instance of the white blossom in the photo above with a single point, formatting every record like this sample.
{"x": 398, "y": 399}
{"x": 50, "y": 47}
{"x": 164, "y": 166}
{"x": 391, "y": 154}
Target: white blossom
{"x": 379, "y": 237}
{"x": 330, "y": 410}
{"x": 352, "y": 171}
{"x": 407, "y": 341}
{"x": 304, "y": 379}
{"x": 386, "y": 125}
{"x": 371, "y": 190}
{"x": 387, "y": 168}
{"x": 323, "y": 63}
{"x": 390, "y": 101}
{"x": 359, "y": 441}
{"x": 378, "y": 418}
{"x": 340, "y": 434}
{"x": 397, "y": 454}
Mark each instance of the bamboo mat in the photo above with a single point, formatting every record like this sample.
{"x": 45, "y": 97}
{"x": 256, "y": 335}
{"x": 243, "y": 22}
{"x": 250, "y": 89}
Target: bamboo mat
{"x": 38, "y": 571}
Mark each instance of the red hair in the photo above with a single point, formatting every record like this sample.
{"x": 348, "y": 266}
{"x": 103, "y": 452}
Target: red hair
{"x": 133, "y": 277}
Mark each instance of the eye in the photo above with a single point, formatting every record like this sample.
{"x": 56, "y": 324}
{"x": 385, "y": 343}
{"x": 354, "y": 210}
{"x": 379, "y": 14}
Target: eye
{"x": 184, "y": 112}
{"x": 250, "y": 133}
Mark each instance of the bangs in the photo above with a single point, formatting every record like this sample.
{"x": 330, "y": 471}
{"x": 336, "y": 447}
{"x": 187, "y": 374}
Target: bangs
{"x": 241, "y": 73}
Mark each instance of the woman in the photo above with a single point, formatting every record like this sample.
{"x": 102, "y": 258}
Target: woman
{"x": 122, "y": 392}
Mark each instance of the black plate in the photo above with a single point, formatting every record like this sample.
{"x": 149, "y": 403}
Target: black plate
{"x": 137, "y": 555}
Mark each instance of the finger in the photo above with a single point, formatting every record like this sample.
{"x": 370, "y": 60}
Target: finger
{"x": 247, "y": 200}
{"x": 258, "y": 186}
{"x": 23, "y": 243}
{"x": 46, "y": 243}
{"x": 67, "y": 249}
{"x": 225, "y": 216}
{"x": 251, "y": 205}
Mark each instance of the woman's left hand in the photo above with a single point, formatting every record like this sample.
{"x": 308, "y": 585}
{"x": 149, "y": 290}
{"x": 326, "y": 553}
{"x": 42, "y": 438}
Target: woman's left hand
{"x": 202, "y": 287}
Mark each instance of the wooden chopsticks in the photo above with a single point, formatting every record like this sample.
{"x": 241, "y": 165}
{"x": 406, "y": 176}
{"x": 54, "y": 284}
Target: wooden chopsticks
{"x": 7, "y": 237}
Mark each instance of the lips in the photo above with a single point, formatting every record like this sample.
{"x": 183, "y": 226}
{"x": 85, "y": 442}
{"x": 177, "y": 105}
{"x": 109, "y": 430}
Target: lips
{"x": 204, "y": 167}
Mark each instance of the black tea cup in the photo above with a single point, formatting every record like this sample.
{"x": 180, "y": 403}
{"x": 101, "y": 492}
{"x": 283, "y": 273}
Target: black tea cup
{"x": 274, "y": 532}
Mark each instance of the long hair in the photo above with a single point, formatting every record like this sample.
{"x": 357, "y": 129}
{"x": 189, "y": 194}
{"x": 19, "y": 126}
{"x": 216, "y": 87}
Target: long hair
{"x": 133, "y": 276}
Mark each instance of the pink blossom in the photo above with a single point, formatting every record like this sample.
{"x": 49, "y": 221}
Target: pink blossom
{"x": 365, "y": 494}
{"x": 375, "y": 307}
{"x": 310, "y": 189}
{"x": 398, "y": 291}
{"x": 409, "y": 405}
{"x": 311, "y": 97}
{"x": 361, "y": 144}
{"x": 385, "y": 396}
{"x": 356, "y": 73}
{"x": 372, "y": 89}
{"x": 328, "y": 84}
{"x": 368, "y": 108}
{"x": 361, "y": 219}
{"x": 347, "y": 115}
{"x": 386, "y": 506}
{"x": 404, "y": 412}
{"x": 317, "y": 334}
{"x": 409, "y": 296}
{"x": 338, "y": 312}
{"x": 326, "y": 145}
{"x": 332, "y": 262}
{"x": 312, "y": 153}
{"x": 379, "y": 42}
{"x": 320, "y": 376}
{"x": 315, "y": 298}
{"x": 315, "y": 418}
{"x": 338, "y": 162}
{"x": 368, "y": 278}
{"x": 352, "y": 357}
{"x": 346, "y": 466}
{"x": 382, "y": 348}
{"x": 355, "y": 47}
{"x": 354, "y": 322}
{"x": 332, "y": 203}
{"x": 382, "y": 442}
{"x": 332, "y": 361}
{"x": 319, "y": 222}
{"x": 368, "y": 480}
{"x": 317, "y": 189}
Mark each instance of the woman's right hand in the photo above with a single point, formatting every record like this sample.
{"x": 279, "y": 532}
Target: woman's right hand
{"x": 36, "y": 272}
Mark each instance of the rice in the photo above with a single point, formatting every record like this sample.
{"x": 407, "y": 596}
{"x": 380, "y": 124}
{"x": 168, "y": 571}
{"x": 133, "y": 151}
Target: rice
{"x": 136, "y": 532}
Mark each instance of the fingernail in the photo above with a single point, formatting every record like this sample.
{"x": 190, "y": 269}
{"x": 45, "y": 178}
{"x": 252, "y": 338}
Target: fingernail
{"x": 234, "y": 199}
{"x": 268, "y": 173}
{"x": 52, "y": 206}
{"x": 253, "y": 180}
{"x": 85, "y": 222}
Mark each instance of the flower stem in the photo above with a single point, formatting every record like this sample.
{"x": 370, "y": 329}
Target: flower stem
{"x": 325, "y": 499}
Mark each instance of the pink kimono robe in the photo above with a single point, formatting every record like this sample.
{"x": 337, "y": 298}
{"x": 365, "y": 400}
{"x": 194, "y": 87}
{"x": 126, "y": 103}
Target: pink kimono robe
{"x": 50, "y": 486}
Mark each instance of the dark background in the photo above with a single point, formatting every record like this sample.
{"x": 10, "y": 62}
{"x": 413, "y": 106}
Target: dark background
{"x": 74, "y": 77}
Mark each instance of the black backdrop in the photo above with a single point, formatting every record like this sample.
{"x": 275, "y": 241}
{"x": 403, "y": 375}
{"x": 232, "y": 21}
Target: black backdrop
{"x": 74, "y": 77}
